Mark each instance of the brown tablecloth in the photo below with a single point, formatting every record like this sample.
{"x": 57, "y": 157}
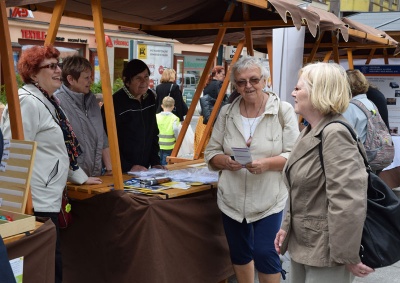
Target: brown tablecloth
{"x": 38, "y": 252}
{"x": 122, "y": 237}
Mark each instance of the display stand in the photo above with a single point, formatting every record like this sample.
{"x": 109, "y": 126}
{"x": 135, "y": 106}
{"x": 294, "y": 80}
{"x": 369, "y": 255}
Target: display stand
{"x": 15, "y": 175}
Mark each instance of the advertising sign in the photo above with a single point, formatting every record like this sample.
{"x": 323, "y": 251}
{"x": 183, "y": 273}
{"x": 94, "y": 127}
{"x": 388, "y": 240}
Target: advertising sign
{"x": 157, "y": 55}
{"x": 387, "y": 79}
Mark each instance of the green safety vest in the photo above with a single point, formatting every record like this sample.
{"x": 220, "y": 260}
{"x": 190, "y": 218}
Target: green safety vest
{"x": 166, "y": 138}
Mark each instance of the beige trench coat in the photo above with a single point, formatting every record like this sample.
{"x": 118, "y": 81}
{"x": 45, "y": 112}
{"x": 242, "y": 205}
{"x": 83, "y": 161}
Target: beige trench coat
{"x": 327, "y": 210}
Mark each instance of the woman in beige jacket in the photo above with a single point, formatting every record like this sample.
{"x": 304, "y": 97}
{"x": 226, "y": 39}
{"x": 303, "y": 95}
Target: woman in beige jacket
{"x": 252, "y": 196}
{"x": 323, "y": 227}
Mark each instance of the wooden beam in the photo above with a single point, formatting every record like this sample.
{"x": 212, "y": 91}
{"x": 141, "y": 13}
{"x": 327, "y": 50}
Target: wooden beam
{"x": 258, "y": 3}
{"x": 247, "y": 31}
{"x": 353, "y": 45}
{"x": 350, "y": 58}
{"x": 10, "y": 80}
{"x": 335, "y": 47}
{"x": 201, "y": 84}
{"x": 315, "y": 48}
{"x": 217, "y": 105}
{"x": 327, "y": 56}
{"x": 270, "y": 58}
{"x": 370, "y": 56}
{"x": 55, "y": 22}
{"x": 231, "y": 25}
{"x": 385, "y": 56}
{"x": 107, "y": 94}
{"x": 368, "y": 36}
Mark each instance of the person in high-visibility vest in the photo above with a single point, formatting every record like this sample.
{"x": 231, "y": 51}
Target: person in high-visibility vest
{"x": 168, "y": 126}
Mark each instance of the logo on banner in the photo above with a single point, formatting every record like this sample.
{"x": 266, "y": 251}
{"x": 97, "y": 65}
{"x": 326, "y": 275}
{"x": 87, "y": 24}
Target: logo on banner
{"x": 21, "y": 13}
{"x": 142, "y": 50}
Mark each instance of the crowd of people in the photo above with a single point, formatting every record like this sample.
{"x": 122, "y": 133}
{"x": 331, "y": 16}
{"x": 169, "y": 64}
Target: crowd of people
{"x": 281, "y": 200}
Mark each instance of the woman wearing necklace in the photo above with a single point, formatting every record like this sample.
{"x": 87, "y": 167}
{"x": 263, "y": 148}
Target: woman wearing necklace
{"x": 135, "y": 118}
{"x": 45, "y": 122}
{"x": 252, "y": 196}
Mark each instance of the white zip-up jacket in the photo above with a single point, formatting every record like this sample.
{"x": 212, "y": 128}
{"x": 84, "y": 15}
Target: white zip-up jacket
{"x": 51, "y": 164}
{"x": 240, "y": 193}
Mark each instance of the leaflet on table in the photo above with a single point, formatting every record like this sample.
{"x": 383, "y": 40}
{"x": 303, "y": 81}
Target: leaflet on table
{"x": 242, "y": 155}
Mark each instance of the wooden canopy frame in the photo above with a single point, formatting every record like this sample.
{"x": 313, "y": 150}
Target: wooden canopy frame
{"x": 298, "y": 18}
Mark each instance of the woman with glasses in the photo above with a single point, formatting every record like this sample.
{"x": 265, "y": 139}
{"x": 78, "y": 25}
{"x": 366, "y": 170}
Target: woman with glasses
{"x": 135, "y": 118}
{"x": 251, "y": 194}
{"x": 45, "y": 122}
{"x": 327, "y": 206}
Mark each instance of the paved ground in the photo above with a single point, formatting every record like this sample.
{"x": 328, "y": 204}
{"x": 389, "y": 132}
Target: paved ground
{"x": 390, "y": 274}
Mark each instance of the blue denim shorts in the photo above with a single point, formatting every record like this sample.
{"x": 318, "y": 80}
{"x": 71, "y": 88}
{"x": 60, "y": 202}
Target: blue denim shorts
{"x": 254, "y": 241}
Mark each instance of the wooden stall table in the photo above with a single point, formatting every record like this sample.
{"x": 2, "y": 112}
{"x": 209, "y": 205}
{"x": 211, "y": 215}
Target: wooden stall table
{"x": 37, "y": 247}
{"x": 117, "y": 236}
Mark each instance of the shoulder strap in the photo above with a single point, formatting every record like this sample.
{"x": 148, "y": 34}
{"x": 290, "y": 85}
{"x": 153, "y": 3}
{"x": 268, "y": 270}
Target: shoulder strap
{"x": 355, "y": 137}
{"x": 363, "y": 108}
{"x": 280, "y": 116}
{"x": 169, "y": 93}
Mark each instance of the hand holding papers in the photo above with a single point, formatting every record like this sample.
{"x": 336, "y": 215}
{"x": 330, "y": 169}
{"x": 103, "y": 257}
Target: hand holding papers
{"x": 242, "y": 155}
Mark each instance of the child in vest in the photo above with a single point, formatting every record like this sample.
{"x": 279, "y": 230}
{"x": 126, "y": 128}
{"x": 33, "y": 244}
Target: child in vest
{"x": 168, "y": 126}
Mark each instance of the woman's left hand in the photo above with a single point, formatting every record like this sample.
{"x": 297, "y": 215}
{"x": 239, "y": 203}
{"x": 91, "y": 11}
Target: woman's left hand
{"x": 359, "y": 269}
{"x": 93, "y": 181}
{"x": 256, "y": 167}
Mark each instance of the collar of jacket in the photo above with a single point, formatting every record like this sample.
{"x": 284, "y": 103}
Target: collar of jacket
{"x": 130, "y": 95}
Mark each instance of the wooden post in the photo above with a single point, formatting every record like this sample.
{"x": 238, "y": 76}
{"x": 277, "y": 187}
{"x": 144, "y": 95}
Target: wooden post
{"x": 107, "y": 94}
{"x": 202, "y": 82}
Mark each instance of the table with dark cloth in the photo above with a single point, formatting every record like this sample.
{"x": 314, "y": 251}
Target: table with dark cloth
{"x": 124, "y": 237}
{"x": 38, "y": 252}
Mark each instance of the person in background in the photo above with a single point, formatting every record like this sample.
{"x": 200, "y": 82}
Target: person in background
{"x": 81, "y": 107}
{"x": 168, "y": 126}
{"x": 45, "y": 122}
{"x": 326, "y": 212}
{"x": 135, "y": 118}
{"x": 354, "y": 115}
{"x": 252, "y": 196}
{"x": 379, "y": 99}
{"x": 207, "y": 101}
{"x": 168, "y": 87}
{"x": 99, "y": 99}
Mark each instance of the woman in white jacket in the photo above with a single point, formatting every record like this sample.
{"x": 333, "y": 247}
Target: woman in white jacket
{"x": 252, "y": 196}
{"x": 45, "y": 122}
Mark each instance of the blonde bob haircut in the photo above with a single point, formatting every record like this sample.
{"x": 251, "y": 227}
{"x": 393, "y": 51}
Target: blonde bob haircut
{"x": 168, "y": 76}
{"x": 327, "y": 87}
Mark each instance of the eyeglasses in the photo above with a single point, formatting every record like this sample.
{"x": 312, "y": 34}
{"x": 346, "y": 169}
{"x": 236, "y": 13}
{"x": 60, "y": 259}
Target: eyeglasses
{"x": 252, "y": 81}
{"x": 51, "y": 66}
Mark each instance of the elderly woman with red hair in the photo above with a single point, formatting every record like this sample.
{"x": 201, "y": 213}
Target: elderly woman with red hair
{"x": 45, "y": 122}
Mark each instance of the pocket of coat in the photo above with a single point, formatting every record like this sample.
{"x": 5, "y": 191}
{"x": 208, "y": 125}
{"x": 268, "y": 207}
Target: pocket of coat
{"x": 316, "y": 232}
{"x": 53, "y": 173}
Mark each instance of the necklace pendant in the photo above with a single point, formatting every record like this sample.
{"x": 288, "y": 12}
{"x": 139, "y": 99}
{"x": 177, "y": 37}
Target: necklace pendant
{"x": 248, "y": 142}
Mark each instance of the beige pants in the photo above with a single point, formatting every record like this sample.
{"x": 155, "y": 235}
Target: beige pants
{"x": 300, "y": 273}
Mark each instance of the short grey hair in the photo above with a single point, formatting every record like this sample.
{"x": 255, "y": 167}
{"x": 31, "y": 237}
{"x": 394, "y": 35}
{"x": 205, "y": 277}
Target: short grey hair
{"x": 246, "y": 63}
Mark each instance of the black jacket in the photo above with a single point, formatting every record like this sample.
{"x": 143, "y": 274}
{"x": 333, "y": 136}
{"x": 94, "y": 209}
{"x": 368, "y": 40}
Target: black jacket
{"x": 162, "y": 91}
{"x": 207, "y": 101}
{"x": 136, "y": 129}
{"x": 379, "y": 99}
